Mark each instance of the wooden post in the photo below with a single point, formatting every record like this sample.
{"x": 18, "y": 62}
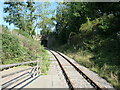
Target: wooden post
{"x": 37, "y": 66}
{"x": 40, "y": 64}
{"x": 0, "y": 81}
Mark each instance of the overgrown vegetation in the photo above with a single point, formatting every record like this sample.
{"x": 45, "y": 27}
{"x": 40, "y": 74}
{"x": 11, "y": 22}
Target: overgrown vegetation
{"x": 18, "y": 48}
{"x": 19, "y": 45}
{"x": 45, "y": 61}
{"x": 102, "y": 58}
{"x": 28, "y": 15}
{"x": 87, "y": 32}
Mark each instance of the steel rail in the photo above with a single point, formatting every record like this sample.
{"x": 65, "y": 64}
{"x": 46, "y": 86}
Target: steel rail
{"x": 95, "y": 85}
{"x": 65, "y": 74}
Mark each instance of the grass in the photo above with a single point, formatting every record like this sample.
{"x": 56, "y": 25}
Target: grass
{"x": 45, "y": 62}
{"x": 99, "y": 54}
{"x": 96, "y": 47}
{"x": 17, "y": 48}
{"x": 109, "y": 72}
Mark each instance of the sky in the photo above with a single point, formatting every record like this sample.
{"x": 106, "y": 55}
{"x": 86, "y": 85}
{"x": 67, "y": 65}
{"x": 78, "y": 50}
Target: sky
{"x": 53, "y": 6}
{"x": 1, "y": 12}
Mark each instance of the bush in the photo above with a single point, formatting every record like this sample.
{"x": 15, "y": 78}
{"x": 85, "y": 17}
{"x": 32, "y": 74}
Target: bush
{"x": 96, "y": 47}
{"x": 11, "y": 47}
{"x": 104, "y": 24}
{"x": 17, "y": 48}
{"x": 25, "y": 34}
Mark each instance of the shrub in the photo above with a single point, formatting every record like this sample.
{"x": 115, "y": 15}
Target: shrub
{"x": 10, "y": 47}
{"x": 10, "y": 44}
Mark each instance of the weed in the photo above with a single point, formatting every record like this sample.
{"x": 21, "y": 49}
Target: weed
{"x": 17, "y": 48}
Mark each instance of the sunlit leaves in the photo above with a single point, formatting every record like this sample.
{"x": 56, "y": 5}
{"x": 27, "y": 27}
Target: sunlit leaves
{"x": 46, "y": 18}
{"x": 20, "y": 14}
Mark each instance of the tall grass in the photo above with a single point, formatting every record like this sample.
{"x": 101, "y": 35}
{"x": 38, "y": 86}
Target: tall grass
{"x": 45, "y": 61}
{"x": 18, "y": 48}
{"x": 104, "y": 61}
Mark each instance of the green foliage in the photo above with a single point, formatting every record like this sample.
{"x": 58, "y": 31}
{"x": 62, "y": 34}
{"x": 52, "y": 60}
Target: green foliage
{"x": 100, "y": 54}
{"x": 90, "y": 25}
{"x": 46, "y": 21}
{"x": 18, "y": 48}
{"x": 18, "y": 16}
{"x": 94, "y": 43}
{"x": 4, "y": 29}
{"x": 84, "y": 16}
{"x": 28, "y": 16}
{"x": 45, "y": 61}
{"x": 10, "y": 47}
{"x": 105, "y": 22}
{"x": 24, "y": 34}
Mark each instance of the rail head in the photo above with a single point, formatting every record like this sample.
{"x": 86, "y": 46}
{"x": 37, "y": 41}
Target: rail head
{"x": 85, "y": 71}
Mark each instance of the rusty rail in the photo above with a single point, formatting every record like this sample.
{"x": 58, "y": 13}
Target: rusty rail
{"x": 84, "y": 75}
{"x": 65, "y": 74}
{"x": 93, "y": 83}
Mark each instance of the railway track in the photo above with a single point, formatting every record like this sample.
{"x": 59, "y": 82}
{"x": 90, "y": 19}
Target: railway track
{"x": 78, "y": 76}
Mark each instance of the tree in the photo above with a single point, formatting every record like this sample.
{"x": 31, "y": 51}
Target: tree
{"x": 71, "y": 15}
{"x": 46, "y": 18}
{"x": 22, "y": 15}
{"x": 14, "y": 13}
{"x": 28, "y": 16}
